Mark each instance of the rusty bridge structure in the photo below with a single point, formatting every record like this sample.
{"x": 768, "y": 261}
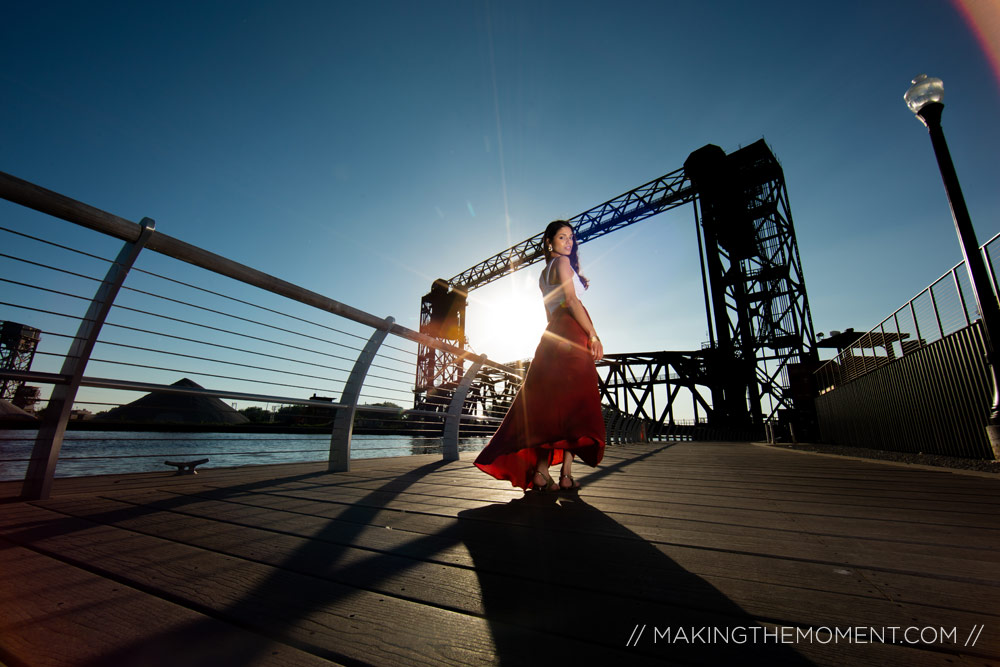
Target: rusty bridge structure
{"x": 757, "y": 363}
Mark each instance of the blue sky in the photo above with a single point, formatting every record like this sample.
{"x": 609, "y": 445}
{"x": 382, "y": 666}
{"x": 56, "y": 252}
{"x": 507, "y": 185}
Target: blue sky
{"x": 364, "y": 149}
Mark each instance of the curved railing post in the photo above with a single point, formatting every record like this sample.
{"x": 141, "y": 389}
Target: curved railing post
{"x": 45, "y": 454}
{"x": 343, "y": 420}
{"x": 633, "y": 431}
{"x": 613, "y": 432}
{"x": 449, "y": 449}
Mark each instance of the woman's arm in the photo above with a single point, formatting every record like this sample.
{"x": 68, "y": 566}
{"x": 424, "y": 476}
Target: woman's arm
{"x": 565, "y": 275}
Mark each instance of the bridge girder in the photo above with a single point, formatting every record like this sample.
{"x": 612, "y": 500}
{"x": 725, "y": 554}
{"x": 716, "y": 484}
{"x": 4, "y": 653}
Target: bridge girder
{"x": 659, "y": 195}
{"x": 758, "y": 312}
{"x": 621, "y": 376}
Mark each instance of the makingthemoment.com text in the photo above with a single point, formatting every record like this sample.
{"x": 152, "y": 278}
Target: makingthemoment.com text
{"x": 798, "y": 635}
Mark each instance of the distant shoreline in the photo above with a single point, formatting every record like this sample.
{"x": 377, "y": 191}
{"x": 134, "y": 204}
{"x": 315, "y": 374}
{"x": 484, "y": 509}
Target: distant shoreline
{"x": 91, "y": 425}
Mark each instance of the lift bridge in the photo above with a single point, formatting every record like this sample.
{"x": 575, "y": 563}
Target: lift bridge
{"x": 757, "y": 364}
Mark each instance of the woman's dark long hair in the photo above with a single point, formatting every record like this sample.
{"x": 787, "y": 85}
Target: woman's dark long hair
{"x": 574, "y": 256}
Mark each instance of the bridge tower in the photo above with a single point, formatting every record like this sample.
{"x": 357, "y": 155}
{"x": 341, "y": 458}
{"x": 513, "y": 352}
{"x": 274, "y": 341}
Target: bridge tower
{"x": 760, "y": 311}
{"x": 762, "y": 337}
{"x": 17, "y": 350}
{"x": 442, "y": 315}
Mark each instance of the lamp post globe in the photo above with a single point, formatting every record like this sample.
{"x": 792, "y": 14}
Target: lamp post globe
{"x": 925, "y": 90}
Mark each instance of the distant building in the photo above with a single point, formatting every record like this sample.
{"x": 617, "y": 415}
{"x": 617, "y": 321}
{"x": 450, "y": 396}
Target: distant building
{"x": 168, "y": 407}
{"x": 80, "y": 415}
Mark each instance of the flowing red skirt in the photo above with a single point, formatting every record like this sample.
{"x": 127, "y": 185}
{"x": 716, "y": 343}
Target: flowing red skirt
{"x": 558, "y": 409}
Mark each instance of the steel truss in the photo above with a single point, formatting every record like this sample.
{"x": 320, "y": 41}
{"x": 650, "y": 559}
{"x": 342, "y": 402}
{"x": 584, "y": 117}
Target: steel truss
{"x": 628, "y": 382}
{"x": 763, "y": 324}
{"x": 490, "y": 396}
{"x": 436, "y": 367}
{"x": 18, "y": 344}
{"x": 442, "y": 315}
{"x": 759, "y": 320}
{"x": 659, "y": 195}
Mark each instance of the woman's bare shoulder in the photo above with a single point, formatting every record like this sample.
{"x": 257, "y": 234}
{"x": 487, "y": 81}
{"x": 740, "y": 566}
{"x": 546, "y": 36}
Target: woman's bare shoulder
{"x": 562, "y": 267}
{"x": 561, "y": 262}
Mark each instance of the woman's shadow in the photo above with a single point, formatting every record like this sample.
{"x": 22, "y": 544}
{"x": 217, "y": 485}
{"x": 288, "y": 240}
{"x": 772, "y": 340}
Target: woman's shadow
{"x": 561, "y": 579}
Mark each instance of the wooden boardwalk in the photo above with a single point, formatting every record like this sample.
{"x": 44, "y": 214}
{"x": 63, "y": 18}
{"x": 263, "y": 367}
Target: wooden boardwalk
{"x": 668, "y": 551}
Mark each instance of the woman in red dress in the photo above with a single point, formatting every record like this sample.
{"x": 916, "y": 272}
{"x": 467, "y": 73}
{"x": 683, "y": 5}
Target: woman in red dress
{"x": 557, "y": 413}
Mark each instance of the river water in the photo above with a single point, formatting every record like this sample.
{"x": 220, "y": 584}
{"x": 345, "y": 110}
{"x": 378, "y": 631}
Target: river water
{"x": 114, "y": 452}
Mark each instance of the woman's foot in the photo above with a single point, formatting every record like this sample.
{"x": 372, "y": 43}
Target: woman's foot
{"x": 567, "y": 483}
{"x": 542, "y": 481}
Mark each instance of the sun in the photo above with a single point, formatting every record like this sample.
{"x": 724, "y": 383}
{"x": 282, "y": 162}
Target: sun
{"x": 505, "y": 320}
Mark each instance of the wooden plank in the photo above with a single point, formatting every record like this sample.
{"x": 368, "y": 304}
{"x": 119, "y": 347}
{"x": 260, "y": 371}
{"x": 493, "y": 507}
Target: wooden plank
{"x": 929, "y": 499}
{"x": 326, "y": 618}
{"x": 886, "y": 551}
{"x": 393, "y": 531}
{"x": 418, "y": 574}
{"x": 315, "y": 614}
{"x": 929, "y": 591}
{"x": 508, "y": 603}
{"x": 697, "y": 534}
{"x": 224, "y": 529}
{"x": 874, "y": 527}
{"x": 53, "y": 614}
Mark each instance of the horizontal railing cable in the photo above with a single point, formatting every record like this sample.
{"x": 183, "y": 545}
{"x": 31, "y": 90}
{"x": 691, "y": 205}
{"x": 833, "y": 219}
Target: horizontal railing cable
{"x": 230, "y": 315}
{"x": 214, "y": 345}
{"x": 159, "y": 455}
{"x": 227, "y": 331}
{"x": 52, "y": 203}
{"x": 63, "y": 293}
{"x": 44, "y": 311}
{"x": 248, "y": 303}
{"x": 48, "y": 268}
{"x": 195, "y": 357}
{"x": 199, "y": 358}
{"x": 49, "y": 290}
{"x": 203, "y": 373}
{"x": 54, "y": 244}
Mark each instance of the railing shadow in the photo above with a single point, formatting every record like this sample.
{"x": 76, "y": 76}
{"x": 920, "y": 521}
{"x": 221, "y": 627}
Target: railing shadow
{"x": 548, "y": 567}
{"x": 209, "y": 642}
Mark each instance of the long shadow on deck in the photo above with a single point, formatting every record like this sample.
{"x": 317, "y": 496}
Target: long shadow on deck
{"x": 272, "y": 607}
{"x": 549, "y": 568}
{"x": 552, "y": 564}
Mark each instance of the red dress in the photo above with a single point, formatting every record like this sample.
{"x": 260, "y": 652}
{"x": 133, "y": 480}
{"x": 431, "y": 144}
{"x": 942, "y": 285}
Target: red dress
{"x": 557, "y": 409}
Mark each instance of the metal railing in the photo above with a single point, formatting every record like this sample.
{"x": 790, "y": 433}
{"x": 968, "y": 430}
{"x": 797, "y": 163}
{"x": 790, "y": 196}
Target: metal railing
{"x": 115, "y": 324}
{"x": 198, "y": 329}
{"x": 946, "y": 306}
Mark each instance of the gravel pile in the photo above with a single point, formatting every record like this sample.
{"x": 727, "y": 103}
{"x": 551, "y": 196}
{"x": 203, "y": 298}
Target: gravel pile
{"x": 953, "y": 462}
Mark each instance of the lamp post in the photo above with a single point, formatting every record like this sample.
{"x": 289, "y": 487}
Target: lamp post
{"x": 924, "y": 99}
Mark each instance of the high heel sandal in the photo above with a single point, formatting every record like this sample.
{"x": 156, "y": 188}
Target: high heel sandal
{"x": 548, "y": 484}
{"x": 573, "y": 484}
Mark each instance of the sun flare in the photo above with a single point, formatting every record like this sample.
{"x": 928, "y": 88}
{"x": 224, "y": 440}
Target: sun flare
{"x": 506, "y": 319}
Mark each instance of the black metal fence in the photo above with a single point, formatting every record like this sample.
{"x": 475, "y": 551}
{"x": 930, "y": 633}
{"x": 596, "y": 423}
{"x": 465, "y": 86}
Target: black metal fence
{"x": 918, "y": 381}
{"x": 934, "y": 400}
{"x": 947, "y": 305}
